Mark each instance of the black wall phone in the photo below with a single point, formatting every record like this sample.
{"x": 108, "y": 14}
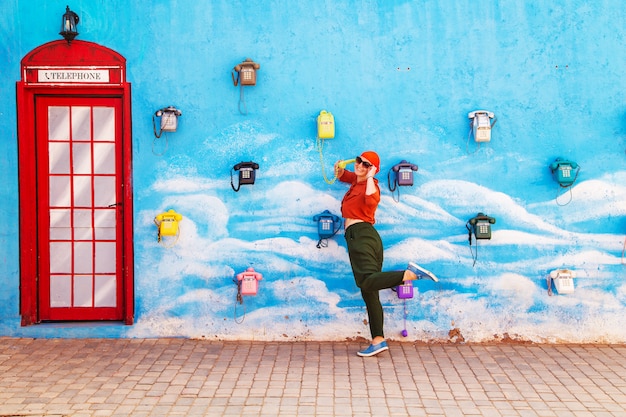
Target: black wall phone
{"x": 247, "y": 173}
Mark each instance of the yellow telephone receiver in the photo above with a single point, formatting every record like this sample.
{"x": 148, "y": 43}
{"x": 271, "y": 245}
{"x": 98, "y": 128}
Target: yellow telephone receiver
{"x": 168, "y": 224}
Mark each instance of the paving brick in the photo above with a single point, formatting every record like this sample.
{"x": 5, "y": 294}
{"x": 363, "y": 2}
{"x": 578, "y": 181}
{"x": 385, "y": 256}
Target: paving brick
{"x": 178, "y": 377}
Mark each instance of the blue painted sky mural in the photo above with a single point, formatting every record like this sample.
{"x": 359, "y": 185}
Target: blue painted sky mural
{"x": 399, "y": 78}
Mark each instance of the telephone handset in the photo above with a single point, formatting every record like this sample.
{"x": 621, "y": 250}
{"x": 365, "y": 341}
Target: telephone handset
{"x": 246, "y": 72}
{"x": 481, "y": 123}
{"x": 167, "y": 224}
{"x": 563, "y": 168}
{"x": 247, "y": 173}
{"x": 481, "y": 226}
{"x": 343, "y": 164}
{"x": 328, "y": 225}
{"x": 169, "y": 120}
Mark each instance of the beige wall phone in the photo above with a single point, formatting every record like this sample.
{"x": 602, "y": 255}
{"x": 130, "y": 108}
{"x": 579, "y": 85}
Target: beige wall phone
{"x": 246, "y": 75}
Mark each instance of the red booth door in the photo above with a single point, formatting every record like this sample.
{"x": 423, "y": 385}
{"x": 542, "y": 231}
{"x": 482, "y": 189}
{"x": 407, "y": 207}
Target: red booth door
{"x": 79, "y": 208}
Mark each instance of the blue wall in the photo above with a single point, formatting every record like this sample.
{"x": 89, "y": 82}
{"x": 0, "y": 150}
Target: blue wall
{"x": 400, "y": 78}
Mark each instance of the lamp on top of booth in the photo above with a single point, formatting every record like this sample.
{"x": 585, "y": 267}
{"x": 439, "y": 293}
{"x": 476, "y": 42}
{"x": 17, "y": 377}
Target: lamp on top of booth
{"x": 68, "y": 25}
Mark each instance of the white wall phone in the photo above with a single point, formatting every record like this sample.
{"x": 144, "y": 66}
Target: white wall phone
{"x": 169, "y": 120}
{"x": 481, "y": 122}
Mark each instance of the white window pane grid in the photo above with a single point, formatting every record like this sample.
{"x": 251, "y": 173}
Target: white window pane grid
{"x": 81, "y": 123}
{"x": 83, "y": 291}
{"x": 104, "y": 158}
{"x": 59, "y": 157}
{"x": 105, "y": 291}
{"x": 104, "y": 191}
{"x": 58, "y": 123}
{"x": 82, "y": 236}
{"x": 82, "y": 191}
{"x": 81, "y": 158}
{"x": 104, "y": 124}
{"x": 60, "y": 291}
{"x": 59, "y": 192}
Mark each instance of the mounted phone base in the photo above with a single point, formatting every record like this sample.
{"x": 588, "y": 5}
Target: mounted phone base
{"x": 563, "y": 280}
{"x": 328, "y": 225}
{"x": 247, "y": 174}
{"x": 481, "y": 124}
{"x": 403, "y": 176}
{"x": 169, "y": 120}
{"x": 167, "y": 225}
{"x": 480, "y": 227}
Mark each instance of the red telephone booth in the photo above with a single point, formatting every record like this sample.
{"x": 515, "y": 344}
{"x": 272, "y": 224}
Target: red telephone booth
{"x": 74, "y": 137}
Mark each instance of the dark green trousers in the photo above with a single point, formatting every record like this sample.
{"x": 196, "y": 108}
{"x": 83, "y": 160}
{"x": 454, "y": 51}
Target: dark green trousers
{"x": 365, "y": 249}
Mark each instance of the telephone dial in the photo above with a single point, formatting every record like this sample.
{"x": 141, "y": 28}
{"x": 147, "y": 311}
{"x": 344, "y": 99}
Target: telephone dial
{"x": 403, "y": 176}
{"x": 481, "y": 122}
{"x": 246, "y": 72}
{"x": 328, "y": 225}
{"x": 247, "y": 174}
{"x": 169, "y": 120}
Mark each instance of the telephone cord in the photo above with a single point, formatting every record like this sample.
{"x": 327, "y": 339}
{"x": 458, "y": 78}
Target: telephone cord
{"x": 394, "y": 188}
{"x": 320, "y": 148}
{"x": 242, "y": 100}
{"x": 154, "y": 141}
{"x": 239, "y": 301}
{"x": 568, "y": 187}
{"x": 232, "y": 184}
{"x": 469, "y": 238}
{"x": 557, "y": 196}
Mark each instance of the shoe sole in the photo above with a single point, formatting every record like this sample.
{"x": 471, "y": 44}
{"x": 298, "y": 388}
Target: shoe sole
{"x": 417, "y": 270}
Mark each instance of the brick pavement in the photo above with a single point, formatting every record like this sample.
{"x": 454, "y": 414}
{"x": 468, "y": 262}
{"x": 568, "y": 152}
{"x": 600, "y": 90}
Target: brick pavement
{"x": 182, "y": 377}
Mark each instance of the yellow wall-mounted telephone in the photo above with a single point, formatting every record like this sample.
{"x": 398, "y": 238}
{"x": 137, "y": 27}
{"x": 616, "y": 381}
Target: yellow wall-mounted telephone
{"x": 325, "y": 125}
{"x": 325, "y": 130}
{"x": 167, "y": 224}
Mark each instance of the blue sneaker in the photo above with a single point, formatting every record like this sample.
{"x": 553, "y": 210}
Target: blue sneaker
{"x": 421, "y": 272}
{"x": 374, "y": 349}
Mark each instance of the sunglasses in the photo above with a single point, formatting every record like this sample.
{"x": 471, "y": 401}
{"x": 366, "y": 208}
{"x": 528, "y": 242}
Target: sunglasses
{"x": 366, "y": 164}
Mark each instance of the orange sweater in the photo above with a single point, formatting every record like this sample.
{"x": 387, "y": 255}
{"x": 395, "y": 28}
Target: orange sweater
{"x": 355, "y": 204}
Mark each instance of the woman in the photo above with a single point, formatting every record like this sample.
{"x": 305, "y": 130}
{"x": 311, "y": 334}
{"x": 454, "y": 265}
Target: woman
{"x": 365, "y": 247}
